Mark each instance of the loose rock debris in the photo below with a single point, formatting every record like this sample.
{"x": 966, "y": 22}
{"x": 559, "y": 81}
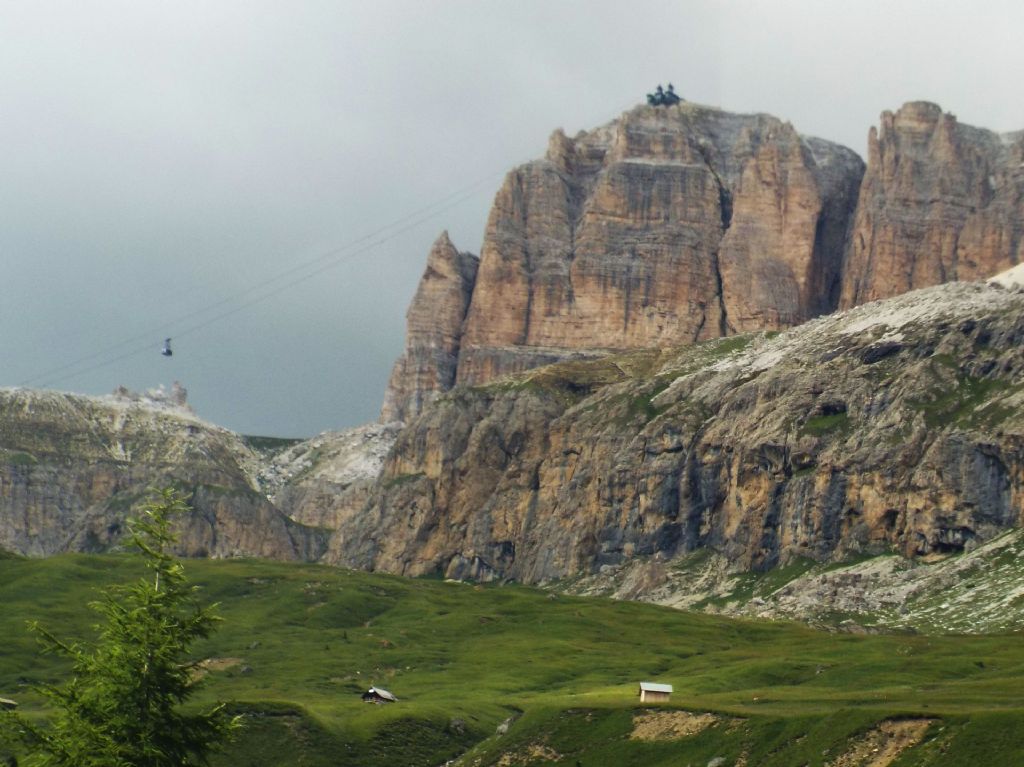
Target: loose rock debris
{"x": 879, "y": 747}
{"x": 673, "y": 725}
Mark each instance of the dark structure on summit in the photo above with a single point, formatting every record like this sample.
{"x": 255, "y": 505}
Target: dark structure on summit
{"x": 663, "y": 98}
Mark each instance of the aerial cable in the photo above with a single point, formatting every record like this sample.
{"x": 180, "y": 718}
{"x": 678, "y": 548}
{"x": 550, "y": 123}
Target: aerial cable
{"x": 327, "y": 260}
{"x": 319, "y": 270}
{"x": 335, "y": 255}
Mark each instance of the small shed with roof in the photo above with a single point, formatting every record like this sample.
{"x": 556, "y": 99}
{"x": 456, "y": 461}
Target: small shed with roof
{"x": 652, "y": 692}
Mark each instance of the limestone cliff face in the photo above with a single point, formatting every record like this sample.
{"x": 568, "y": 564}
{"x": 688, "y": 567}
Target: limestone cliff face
{"x": 792, "y": 207}
{"x": 72, "y": 468}
{"x": 894, "y": 426}
{"x": 675, "y": 225}
{"x": 940, "y": 201}
{"x": 666, "y": 226}
{"x": 433, "y": 332}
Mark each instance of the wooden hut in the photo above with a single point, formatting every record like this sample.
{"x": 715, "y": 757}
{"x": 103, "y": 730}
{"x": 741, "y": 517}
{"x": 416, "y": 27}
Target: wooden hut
{"x": 378, "y": 695}
{"x": 7, "y": 704}
{"x": 652, "y": 692}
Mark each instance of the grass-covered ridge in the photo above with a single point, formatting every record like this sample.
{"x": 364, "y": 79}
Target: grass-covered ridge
{"x": 300, "y": 642}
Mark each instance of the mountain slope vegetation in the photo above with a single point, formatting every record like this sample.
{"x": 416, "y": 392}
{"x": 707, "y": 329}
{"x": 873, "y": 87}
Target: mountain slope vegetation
{"x": 300, "y": 642}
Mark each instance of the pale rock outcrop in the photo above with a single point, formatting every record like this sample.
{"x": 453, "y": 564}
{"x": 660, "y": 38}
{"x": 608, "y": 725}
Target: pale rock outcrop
{"x": 433, "y": 332}
{"x": 940, "y": 201}
{"x": 323, "y": 481}
{"x": 73, "y": 468}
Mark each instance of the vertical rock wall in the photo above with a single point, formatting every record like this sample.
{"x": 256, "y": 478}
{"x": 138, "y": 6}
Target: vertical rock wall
{"x": 676, "y": 225}
{"x": 433, "y": 332}
{"x": 941, "y": 201}
{"x": 666, "y": 226}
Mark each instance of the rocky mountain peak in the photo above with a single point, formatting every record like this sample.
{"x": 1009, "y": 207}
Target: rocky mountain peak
{"x": 667, "y": 225}
{"x": 434, "y": 331}
{"x": 940, "y": 201}
{"x": 915, "y": 117}
{"x": 677, "y": 224}
{"x": 561, "y": 151}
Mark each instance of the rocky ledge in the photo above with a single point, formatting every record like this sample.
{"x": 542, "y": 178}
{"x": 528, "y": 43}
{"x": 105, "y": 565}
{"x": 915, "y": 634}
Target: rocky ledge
{"x": 893, "y": 427}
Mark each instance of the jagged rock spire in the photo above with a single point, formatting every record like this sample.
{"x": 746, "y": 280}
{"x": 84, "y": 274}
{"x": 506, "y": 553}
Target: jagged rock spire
{"x": 433, "y": 332}
{"x": 940, "y": 201}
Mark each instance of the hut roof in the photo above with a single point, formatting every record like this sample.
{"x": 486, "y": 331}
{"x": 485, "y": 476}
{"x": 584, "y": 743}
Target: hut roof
{"x": 8, "y": 703}
{"x": 655, "y": 687}
{"x": 383, "y": 693}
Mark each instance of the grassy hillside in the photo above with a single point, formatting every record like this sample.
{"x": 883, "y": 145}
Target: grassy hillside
{"x": 299, "y": 643}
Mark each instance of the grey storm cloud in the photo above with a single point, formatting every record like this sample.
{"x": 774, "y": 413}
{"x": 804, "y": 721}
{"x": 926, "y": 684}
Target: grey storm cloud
{"x": 261, "y": 181}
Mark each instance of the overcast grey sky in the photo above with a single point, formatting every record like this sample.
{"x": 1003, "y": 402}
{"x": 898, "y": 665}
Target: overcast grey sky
{"x": 161, "y": 161}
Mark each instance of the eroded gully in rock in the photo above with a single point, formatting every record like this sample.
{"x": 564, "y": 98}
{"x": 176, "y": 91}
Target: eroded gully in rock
{"x": 725, "y": 210}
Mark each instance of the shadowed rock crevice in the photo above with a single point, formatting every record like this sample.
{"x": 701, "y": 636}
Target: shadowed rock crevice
{"x": 723, "y": 312}
{"x": 725, "y": 209}
{"x": 724, "y": 195}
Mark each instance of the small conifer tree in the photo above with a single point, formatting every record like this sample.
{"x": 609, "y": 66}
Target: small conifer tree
{"x": 122, "y": 705}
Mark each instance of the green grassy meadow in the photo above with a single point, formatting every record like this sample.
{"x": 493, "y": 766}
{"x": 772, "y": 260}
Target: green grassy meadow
{"x": 299, "y": 643}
